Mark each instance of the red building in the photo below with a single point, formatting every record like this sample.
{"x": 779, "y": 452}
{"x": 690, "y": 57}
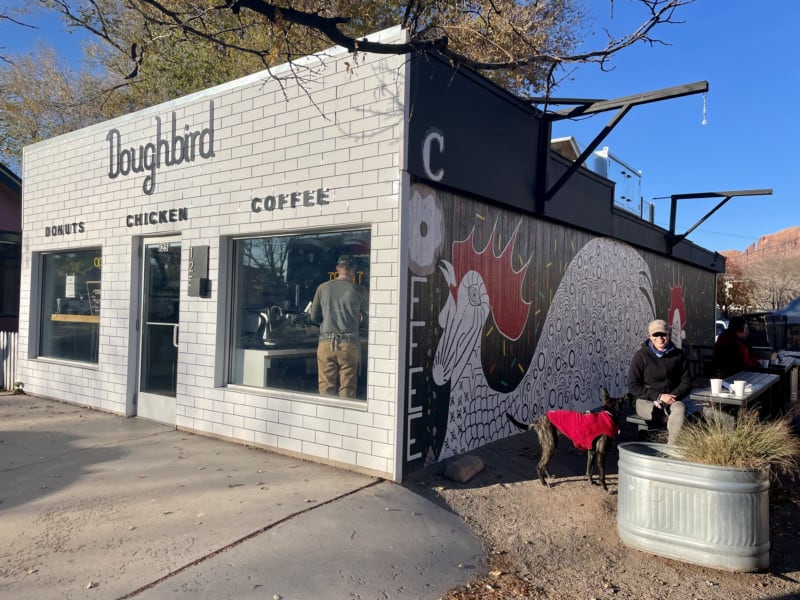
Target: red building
{"x": 10, "y": 244}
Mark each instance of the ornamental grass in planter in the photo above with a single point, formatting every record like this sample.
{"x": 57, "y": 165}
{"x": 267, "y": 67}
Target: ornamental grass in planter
{"x": 748, "y": 443}
{"x": 706, "y": 501}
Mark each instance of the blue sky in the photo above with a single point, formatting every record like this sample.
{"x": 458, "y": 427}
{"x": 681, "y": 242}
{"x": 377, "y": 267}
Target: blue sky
{"x": 745, "y": 49}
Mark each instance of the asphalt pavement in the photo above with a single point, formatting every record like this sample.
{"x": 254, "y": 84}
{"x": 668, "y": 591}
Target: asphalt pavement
{"x": 95, "y": 505}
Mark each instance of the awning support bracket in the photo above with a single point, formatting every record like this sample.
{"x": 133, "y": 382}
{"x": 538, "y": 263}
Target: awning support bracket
{"x": 586, "y": 153}
{"x": 596, "y": 106}
{"x": 673, "y": 238}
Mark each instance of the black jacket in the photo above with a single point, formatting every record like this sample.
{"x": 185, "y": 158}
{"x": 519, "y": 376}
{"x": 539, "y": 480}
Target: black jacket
{"x": 732, "y": 355}
{"x": 650, "y": 375}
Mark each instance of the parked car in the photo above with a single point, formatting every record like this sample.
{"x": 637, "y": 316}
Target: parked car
{"x": 720, "y": 325}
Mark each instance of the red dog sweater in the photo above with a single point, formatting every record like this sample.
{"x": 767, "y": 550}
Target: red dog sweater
{"x": 583, "y": 428}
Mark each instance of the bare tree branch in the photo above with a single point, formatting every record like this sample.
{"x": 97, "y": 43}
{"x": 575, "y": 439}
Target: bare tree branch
{"x": 661, "y": 11}
{"x": 6, "y": 17}
{"x": 328, "y": 26}
{"x": 149, "y": 51}
{"x": 423, "y": 38}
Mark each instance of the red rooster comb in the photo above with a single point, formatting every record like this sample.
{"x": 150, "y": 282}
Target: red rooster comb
{"x": 503, "y": 283}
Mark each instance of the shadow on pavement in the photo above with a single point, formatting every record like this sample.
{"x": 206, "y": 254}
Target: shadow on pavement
{"x": 28, "y": 471}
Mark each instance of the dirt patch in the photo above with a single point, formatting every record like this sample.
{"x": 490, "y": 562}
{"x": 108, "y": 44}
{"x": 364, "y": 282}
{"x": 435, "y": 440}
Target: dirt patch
{"x": 562, "y": 542}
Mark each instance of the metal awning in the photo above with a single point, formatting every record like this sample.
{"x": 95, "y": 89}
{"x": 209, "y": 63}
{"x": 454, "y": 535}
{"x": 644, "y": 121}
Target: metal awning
{"x": 589, "y": 107}
{"x": 673, "y": 238}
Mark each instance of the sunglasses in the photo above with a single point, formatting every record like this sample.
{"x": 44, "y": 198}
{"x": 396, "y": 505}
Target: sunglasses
{"x": 660, "y": 335}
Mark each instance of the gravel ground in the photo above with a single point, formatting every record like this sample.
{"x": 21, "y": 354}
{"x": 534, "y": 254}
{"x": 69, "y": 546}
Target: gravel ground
{"x": 562, "y": 542}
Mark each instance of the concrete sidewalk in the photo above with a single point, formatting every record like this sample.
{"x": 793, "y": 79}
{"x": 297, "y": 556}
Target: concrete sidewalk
{"x": 94, "y": 505}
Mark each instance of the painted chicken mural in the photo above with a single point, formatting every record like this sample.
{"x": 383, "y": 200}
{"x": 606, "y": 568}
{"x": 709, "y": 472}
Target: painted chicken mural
{"x": 595, "y": 321}
{"x": 676, "y": 315}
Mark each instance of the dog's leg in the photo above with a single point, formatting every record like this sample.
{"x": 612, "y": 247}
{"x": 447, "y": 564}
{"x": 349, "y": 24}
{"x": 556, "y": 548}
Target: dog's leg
{"x": 591, "y": 459}
{"x": 554, "y": 436}
{"x": 602, "y": 445}
{"x": 542, "y": 469}
{"x": 596, "y": 457}
{"x": 548, "y": 439}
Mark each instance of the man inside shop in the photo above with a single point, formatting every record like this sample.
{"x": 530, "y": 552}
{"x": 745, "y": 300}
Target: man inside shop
{"x": 340, "y": 306}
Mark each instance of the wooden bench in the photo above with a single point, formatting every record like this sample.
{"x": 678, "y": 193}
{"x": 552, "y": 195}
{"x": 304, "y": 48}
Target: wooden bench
{"x": 642, "y": 428}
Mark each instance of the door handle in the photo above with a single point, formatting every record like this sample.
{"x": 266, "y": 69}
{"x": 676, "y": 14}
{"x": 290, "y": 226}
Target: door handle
{"x": 175, "y": 335}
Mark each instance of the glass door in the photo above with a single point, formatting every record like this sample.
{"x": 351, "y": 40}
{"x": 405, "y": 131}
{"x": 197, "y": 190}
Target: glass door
{"x": 158, "y": 366}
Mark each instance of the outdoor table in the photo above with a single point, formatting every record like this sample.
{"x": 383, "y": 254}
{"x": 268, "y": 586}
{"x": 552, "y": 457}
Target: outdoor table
{"x": 794, "y": 375}
{"x": 786, "y": 369}
{"x": 757, "y": 385}
{"x": 793, "y": 360}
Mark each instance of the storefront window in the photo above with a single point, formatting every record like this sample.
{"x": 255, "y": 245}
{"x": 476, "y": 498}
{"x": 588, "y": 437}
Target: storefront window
{"x": 274, "y": 342}
{"x": 70, "y": 305}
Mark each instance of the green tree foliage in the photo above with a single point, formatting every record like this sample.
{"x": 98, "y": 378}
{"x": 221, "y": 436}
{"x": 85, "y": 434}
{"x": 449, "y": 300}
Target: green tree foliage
{"x": 40, "y": 98}
{"x": 143, "y": 52}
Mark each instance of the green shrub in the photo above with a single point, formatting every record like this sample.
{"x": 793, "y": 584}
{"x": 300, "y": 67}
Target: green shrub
{"x": 746, "y": 443}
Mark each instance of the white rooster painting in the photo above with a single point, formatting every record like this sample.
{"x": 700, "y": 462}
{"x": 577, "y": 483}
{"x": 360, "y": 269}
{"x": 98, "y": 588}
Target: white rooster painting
{"x": 592, "y": 325}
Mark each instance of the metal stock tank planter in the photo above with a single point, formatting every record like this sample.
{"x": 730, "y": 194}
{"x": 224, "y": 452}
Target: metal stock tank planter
{"x": 703, "y": 514}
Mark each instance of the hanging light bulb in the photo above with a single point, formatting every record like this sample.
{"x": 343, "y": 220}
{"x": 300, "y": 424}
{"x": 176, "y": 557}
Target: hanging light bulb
{"x": 704, "y": 121}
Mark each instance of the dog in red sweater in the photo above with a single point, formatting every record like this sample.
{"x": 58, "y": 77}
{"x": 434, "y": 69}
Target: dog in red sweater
{"x": 593, "y": 431}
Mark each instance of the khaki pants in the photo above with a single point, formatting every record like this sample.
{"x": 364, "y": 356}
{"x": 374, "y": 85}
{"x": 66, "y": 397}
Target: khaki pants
{"x": 677, "y": 411}
{"x": 338, "y": 362}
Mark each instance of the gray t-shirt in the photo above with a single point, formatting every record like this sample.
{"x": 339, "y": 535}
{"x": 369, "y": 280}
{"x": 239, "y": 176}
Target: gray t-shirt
{"x": 338, "y": 306}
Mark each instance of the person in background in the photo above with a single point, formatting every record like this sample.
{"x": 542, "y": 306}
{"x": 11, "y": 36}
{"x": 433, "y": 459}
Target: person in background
{"x": 731, "y": 352}
{"x": 659, "y": 379}
{"x": 339, "y": 307}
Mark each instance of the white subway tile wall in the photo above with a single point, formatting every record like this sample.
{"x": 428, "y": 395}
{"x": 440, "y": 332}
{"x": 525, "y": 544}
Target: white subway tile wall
{"x": 343, "y": 131}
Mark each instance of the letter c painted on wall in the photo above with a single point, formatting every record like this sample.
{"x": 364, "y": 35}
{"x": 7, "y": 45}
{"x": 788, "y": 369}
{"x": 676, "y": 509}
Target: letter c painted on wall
{"x": 432, "y": 136}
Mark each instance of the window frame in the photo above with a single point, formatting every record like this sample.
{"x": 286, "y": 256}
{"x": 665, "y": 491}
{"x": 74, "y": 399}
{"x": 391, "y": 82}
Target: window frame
{"x": 234, "y": 373}
{"x": 68, "y": 314}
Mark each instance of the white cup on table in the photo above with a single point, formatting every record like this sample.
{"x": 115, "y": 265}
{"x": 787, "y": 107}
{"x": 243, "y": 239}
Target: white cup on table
{"x": 764, "y": 363}
{"x": 716, "y": 386}
{"x": 738, "y": 387}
